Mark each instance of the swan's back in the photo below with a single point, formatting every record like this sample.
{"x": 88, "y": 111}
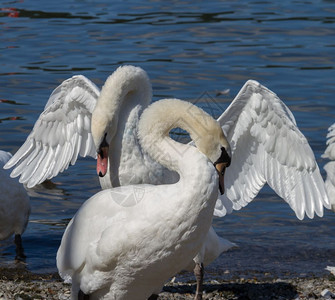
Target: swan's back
{"x": 123, "y": 233}
{"x": 94, "y": 216}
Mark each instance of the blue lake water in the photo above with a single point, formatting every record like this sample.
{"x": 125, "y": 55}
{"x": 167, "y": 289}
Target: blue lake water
{"x": 191, "y": 50}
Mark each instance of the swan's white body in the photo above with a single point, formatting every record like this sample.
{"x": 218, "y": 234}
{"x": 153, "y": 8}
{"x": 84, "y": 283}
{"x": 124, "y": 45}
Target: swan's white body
{"x": 14, "y": 202}
{"x": 124, "y": 243}
{"x": 330, "y": 166}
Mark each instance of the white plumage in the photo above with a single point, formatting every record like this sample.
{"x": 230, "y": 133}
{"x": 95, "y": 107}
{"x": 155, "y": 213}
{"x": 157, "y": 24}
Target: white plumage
{"x": 60, "y": 134}
{"x": 268, "y": 147}
{"x": 14, "y": 207}
{"x": 212, "y": 247}
{"x": 122, "y": 244}
{"x": 330, "y": 166}
{"x": 331, "y": 269}
{"x": 266, "y": 144}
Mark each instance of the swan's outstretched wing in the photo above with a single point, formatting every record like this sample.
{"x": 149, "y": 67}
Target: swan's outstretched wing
{"x": 330, "y": 150}
{"x": 267, "y": 147}
{"x": 330, "y": 166}
{"x": 61, "y": 133}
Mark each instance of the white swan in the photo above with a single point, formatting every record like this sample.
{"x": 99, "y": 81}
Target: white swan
{"x": 330, "y": 166}
{"x": 267, "y": 146}
{"x": 14, "y": 207}
{"x": 125, "y": 242}
{"x": 63, "y": 131}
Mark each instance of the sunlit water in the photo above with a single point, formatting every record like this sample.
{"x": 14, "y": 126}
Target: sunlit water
{"x": 191, "y": 50}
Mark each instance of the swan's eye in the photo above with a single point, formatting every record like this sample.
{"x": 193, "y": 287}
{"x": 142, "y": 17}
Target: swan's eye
{"x": 224, "y": 158}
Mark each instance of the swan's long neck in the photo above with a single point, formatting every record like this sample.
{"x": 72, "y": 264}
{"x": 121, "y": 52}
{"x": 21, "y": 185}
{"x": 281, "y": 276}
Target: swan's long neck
{"x": 192, "y": 166}
{"x": 126, "y": 87}
{"x": 122, "y": 97}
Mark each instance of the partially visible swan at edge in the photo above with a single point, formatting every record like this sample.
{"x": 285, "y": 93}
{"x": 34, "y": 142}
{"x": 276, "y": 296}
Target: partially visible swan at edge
{"x": 330, "y": 166}
{"x": 14, "y": 207}
{"x": 266, "y": 145}
{"x": 122, "y": 244}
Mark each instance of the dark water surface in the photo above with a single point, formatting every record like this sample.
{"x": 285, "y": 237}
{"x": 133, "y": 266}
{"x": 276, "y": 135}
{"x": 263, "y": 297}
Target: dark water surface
{"x": 191, "y": 50}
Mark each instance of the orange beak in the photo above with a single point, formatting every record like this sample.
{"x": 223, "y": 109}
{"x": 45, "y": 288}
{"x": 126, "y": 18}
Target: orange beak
{"x": 102, "y": 161}
{"x": 221, "y": 168}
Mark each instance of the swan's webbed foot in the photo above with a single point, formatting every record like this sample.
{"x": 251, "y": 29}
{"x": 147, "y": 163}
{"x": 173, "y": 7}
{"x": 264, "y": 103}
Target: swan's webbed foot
{"x": 199, "y": 275}
{"x": 153, "y": 297}
{"x": 82, "y": 296}
{"x": 20, "y": 256}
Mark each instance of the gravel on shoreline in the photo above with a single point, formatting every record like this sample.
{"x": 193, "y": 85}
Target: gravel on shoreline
{"x": 19, "y": 283}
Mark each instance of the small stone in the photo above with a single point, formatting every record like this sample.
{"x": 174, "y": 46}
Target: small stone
{"x": 327, "y": 294}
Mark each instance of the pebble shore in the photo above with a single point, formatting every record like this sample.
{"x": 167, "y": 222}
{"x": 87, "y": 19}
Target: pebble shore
{"x": 20, "y": 284}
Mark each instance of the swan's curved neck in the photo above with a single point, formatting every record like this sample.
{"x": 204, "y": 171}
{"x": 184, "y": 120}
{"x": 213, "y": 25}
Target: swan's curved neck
{"x": 122, "y": 97}
{"x": 155, "y": 125}
{"x": 124, "y": 89}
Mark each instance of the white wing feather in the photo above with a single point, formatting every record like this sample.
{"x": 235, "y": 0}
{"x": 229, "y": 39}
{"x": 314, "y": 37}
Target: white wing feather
{"x": 61, "y": 133}
{"x": 267, "y": 147}
{"x": 330, "y": 150}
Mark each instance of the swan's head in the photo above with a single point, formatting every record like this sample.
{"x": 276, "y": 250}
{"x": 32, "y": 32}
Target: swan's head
{"x": 103, "y": 130}
{"x": 215, "y": 146}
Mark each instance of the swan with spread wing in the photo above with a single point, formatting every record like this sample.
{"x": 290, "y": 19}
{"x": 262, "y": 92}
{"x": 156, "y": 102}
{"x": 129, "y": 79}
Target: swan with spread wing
{"x": 266, "y": 144}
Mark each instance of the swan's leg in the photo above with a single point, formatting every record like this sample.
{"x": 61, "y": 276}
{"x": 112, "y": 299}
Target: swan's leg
{"x": 199, "y": 275}
{"x": 19, "y": 248}
{"x": 153, "y": 297}
{"x": 82, "y": 296}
